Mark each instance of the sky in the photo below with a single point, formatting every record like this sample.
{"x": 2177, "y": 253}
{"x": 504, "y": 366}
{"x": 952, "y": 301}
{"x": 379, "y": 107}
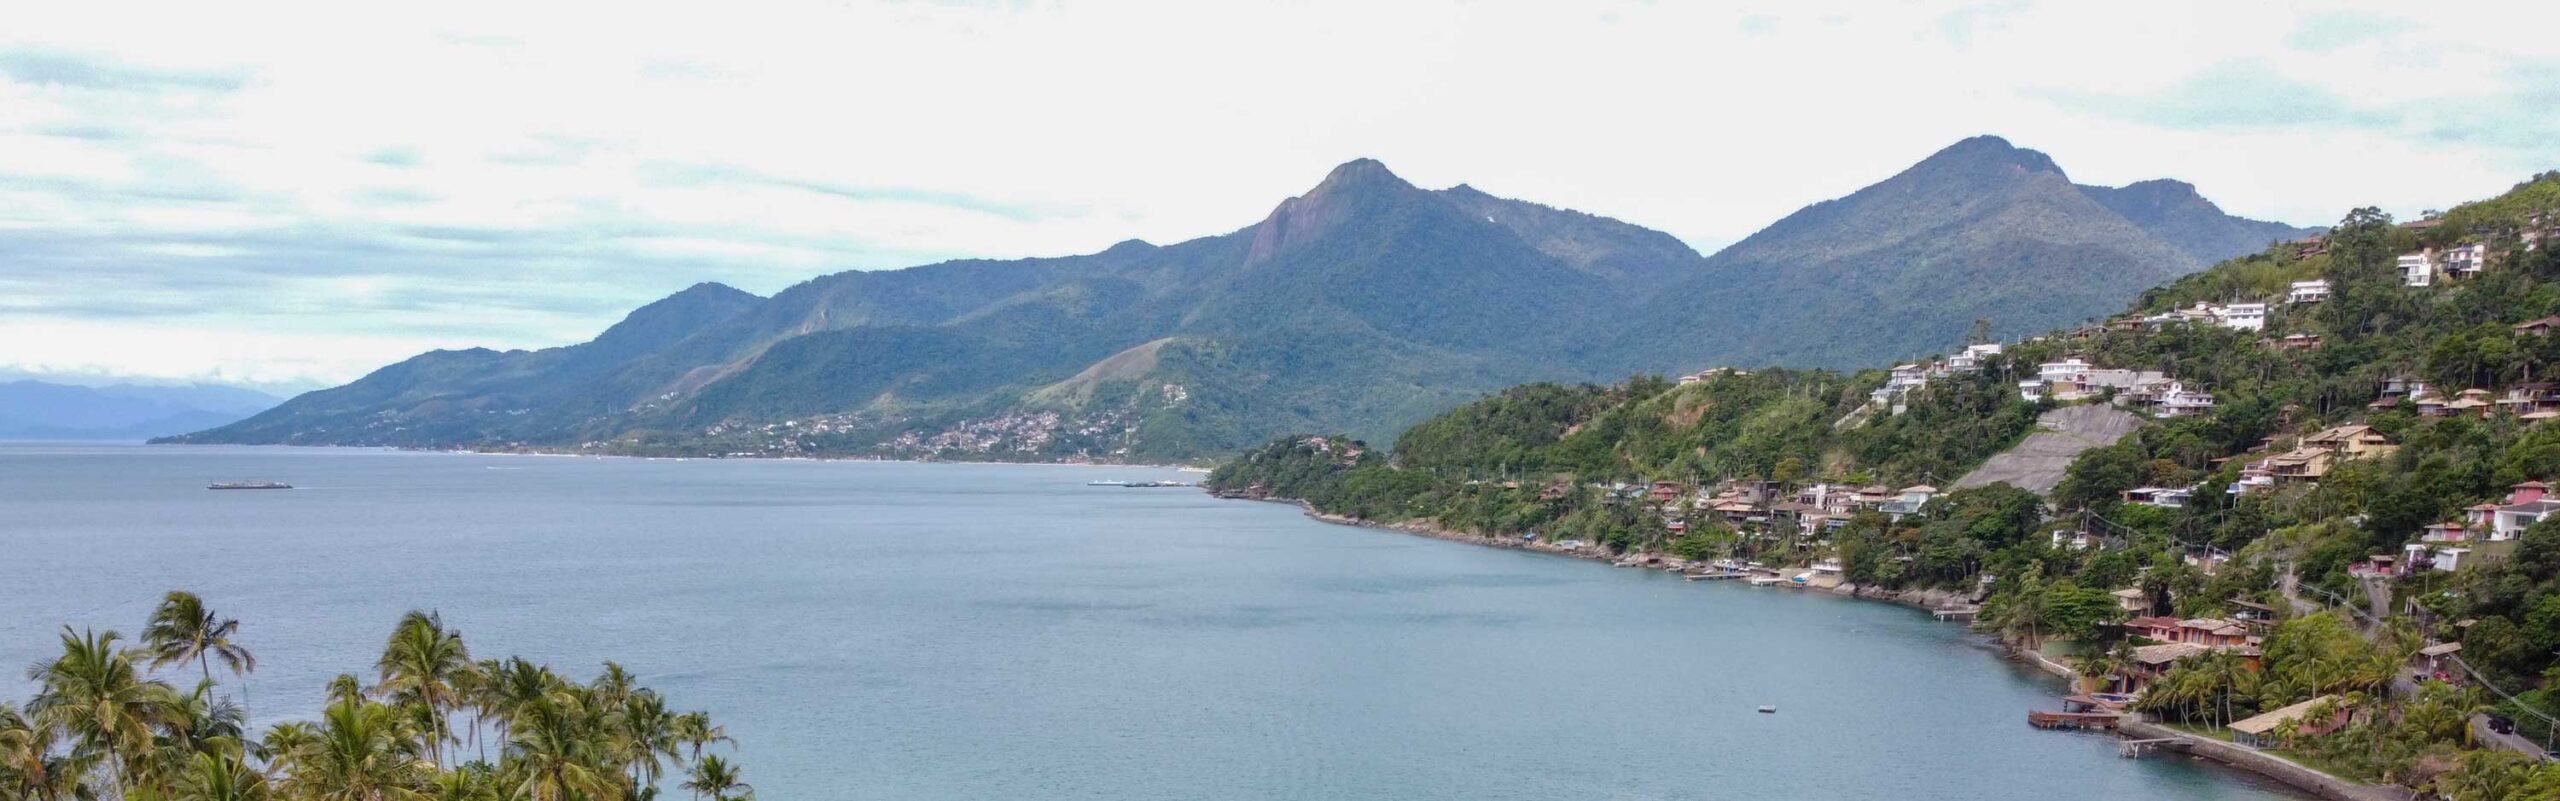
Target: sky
{"x": 288, "y": 196}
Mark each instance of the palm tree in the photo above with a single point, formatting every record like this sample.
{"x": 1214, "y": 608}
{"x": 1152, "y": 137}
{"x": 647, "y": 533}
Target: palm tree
{"x": 424, "y": 665}
{"x": 715, "y": 777}
{"x": 358, "y": 753}
{"x": 648, "y": 735}
{"x": 96, "y": 694}
{"x": 30, "y": 767}
{"x": 182, "y": 630}
{"x": 560, "y": 752}
{"x": 696, "y": 730}
{"x": 219, "y": 777}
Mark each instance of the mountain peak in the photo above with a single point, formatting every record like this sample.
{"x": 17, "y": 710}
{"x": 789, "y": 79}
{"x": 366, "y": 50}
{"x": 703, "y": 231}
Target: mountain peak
{"x": 1989, "y": 152}
{"x": 1357, "y": 174}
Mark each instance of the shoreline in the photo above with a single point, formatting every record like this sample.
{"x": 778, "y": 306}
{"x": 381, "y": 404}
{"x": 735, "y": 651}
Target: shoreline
{"x": 573, "y": 454}
{"x": 2288, "y": 773}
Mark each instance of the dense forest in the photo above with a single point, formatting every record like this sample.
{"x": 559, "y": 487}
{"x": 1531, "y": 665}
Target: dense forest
{"x": 1543, "y": 461}
{"x": 147, "y": 720}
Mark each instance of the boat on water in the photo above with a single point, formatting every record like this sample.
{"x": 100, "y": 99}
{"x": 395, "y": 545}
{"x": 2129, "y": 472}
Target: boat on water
{"x": 248, "y": 485}
{"x": 1770, "y": 709}
{"x": 1107, "y": 483}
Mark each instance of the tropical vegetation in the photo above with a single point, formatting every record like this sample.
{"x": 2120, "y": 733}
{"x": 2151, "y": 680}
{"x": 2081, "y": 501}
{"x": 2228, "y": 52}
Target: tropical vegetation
{"x": 149, "y": 720}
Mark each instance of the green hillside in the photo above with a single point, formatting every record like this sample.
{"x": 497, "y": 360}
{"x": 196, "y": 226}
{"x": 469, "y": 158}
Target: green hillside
{"x": 1365, "y": 305}
{"x": 2318, "y": 453}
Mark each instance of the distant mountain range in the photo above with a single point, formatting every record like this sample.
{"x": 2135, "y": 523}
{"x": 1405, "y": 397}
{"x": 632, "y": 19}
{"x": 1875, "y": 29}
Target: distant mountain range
{"x": 1364, "y": 305}
{"x": 41, "y": 410}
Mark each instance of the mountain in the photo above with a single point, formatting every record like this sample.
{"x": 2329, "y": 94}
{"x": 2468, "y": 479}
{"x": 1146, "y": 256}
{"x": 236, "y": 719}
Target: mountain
{"x": 1980, "y": 230}
{"x": 2172, "y": 211}
{"x": 1363, "y": 305}
{"x": 41, "y": 410}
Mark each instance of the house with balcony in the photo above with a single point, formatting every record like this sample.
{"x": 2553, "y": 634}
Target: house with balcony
{"x": 2312, "y": 291}
{"x": 2417, "y": 269}
{"x": 2244, "y": 317}
{"x": 2463, "y": 261}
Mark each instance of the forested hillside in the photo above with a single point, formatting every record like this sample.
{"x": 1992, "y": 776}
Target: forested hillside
{"x": 1364, "y": 305}
{"x": 2382, "y": 435}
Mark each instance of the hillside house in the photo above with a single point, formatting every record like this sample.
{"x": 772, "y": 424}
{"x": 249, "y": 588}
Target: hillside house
{"x": 2179, "y": 401}
{"x": 2529, "y": 399}
{"x": 2312, "y": 291}
{"x": 2463, "y": 261}
{"x": 2244, "y": 316}
{"x": 2132, "y": 600}
{"x": 2417, "y": 269}
{"x": 1973, "y": 357}
{"x": 2538, "y": 327}
{"x": 2076, "y": 540}
{"x": 2259, "y": 731}
{"x": 1909, "y": 502}
{"x": 2527, "y": 503}
{"x": 2445, "y": 532}
{"x": 2298, "y": 342}
{"x": 2350, "y": 441}
{"x": 2163, "y": 497}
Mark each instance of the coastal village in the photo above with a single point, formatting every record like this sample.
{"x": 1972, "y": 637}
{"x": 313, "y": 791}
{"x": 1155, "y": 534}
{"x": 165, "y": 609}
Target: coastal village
{"x": 1791, "y": 533}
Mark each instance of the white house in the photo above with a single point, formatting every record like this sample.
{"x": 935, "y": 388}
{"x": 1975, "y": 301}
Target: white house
{"x": 2418, "y": 269}
{"x": 2179, "y": 402}
{"x": 2245, "y": 316}
{"x": 1972, "y": 357}
{"x": 2312, "y": 291}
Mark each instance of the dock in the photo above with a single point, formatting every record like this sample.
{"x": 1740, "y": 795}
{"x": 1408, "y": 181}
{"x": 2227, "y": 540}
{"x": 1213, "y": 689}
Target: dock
{"x": 2072, "y": 720}
{"x": 1719, "y": 576}
{"x": 2135, "y": 748}
{"x": 1956, "y": 613}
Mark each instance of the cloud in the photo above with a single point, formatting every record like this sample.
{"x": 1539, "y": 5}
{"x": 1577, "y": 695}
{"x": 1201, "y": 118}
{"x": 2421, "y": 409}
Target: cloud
{"x": 105, "y": 73}
{"x": 2331, "y": 30}
{"x": 2243, "y": 94}
{"x": 482, "y": 173}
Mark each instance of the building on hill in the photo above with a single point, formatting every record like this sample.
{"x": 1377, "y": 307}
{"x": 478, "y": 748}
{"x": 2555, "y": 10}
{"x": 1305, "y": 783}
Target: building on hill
{"x": 2259, "y": 731}
{"x": 2132, "y": 600}
{"x": 2417, "y": 269}
{"x": 2527, "y": 400}
{"x": 2245, "y": 316}
{"x": 2312, "y": 291}
{"x": 2541, "y": 326}
{"x": 2464, "y": 261}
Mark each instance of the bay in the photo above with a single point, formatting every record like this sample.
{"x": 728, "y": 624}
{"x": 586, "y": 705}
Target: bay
{"x": 907, "y": 631}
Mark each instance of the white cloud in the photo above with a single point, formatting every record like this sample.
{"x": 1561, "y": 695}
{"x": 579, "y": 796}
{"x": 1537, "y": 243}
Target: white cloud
{"x": 319, "y": 188}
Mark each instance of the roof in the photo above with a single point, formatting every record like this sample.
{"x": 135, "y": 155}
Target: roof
{"x": 2268, "y": 721}
{"x": 2544, "y": 322}
{"x": 1919, "y": 488}
{"x": 2131, "y": 592}
{"x": 2152, "y": 622}
{"x": 2166, "y": 653}
{"x": 2440, "y": 649}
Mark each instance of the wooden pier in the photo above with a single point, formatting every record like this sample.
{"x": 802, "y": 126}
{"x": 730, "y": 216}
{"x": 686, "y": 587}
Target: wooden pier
{"x": 1957, "y": 613}
{"x": 2135, "y": 748}
{"x": 1719, "y": 576}
{"x": 2072, "y": 720}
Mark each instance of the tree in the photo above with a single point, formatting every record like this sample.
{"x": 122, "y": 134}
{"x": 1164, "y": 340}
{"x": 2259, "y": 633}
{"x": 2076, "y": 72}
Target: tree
{"x": 358, "y": 753}
{"x": 183, "y": 630}
{"x": 425, "y": 665}
{"x": 716, "y": 778}
{"x": 97, "y": 694}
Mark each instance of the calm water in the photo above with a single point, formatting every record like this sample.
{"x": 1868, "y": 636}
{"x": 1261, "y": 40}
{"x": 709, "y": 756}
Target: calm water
{"x": 893, "y": 631}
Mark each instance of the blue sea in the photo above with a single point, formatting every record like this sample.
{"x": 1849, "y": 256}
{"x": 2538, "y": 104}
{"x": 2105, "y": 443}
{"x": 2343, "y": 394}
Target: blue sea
{"x": 930, "y": 631}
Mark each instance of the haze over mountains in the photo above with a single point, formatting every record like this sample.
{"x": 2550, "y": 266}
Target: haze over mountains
{"x": 44, "y": 410}
{"x": 1364, "y": 305}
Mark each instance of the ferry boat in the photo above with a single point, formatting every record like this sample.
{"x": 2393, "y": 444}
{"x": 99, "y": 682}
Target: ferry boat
{"x": 248, "y": 485}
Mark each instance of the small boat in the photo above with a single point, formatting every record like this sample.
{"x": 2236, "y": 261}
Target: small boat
{"x": 1769, "y": 709}
{"x": 248, "y": 485}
